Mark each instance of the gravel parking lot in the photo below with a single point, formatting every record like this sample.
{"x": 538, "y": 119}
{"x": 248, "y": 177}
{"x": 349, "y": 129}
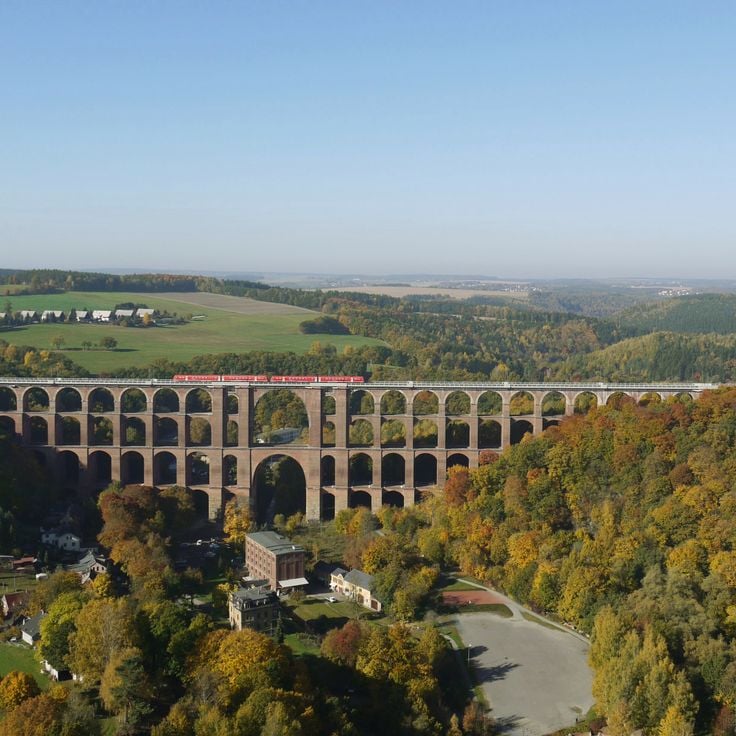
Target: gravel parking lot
{"x": 536, "y": 678}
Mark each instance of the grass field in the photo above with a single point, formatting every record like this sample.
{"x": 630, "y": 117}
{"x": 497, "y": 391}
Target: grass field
{"x": 19, "y": 658}
{"x": 236, "y": 325}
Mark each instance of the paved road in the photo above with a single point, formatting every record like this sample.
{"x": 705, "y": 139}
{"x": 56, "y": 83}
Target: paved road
{"x": 536, "y": 678}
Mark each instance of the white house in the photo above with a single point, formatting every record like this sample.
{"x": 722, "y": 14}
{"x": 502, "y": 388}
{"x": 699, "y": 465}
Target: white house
{"x": 48, "y": 313}
{"x": 65, "y": 540}
{"x": 143, "y": 312}
{"x": 101, "y": 315}
{"x": 356, "y": 585}
{"x": 88, "y": 567}
{"x": 30, "y": 629}
{"x": 81, "y": 314}
{"x": 28, "y": 314}
{"x": 124, "y": 313}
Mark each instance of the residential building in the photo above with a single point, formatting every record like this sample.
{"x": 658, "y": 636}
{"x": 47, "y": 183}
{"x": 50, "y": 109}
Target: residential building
{"x": 101, "y": 315}
{"x": 357, "y": 586}
{"x": 47, "y": 314}
{"x": 13, "y": 603}
{"x": 253, "y": 608}
{"x": 61, "y": 538}
{"x": 30, "y": 629}
{"x": 275, "y": 560}
{"x": 88, "y": 567}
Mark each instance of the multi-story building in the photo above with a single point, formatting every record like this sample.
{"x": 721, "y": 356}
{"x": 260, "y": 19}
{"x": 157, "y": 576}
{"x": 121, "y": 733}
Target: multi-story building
{"x": 355, "y": 585}
{"x": 275, "y": 560}
{"x": 254, "y": 608}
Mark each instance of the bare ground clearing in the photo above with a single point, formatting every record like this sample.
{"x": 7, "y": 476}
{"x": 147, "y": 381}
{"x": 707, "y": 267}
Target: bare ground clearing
{"x": 474, "y": 597}
{"x": 236, "y": 304}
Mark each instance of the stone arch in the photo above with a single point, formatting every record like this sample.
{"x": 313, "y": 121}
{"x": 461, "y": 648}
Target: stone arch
{"x": 425, "y": 433}
{"x": 8, "y": 399}
{"x": 71, "y": 431}
{"x": 327, "y": 471}
{"x": 199, "y": 432}
{"x": 553, "y": 404}
{"x": 99, "y": 466}
{"x": 457, "y": 404}
{"x": 35, "y": 399}
{"x": 133, "y": 401}
{"x": 457, "y": 434}
{"x": 393, "y": 433}
{"x": 489, "y": 434}
{"x": 39, "y": 431}
{"x": 102, "y": 431}
{"x": 393, "y": 498}
{"x": 360, "y": 470}
{"x": 490, "y": 403}
{"x": 135, "y": 432}
{"x": 361, "y": 434}
{"x": 425, "y": 402}
{"x": 393, "y": 402}
{"x": 101, "y": 401}
{"x": 7, "y": 428}
{"x": 361, "y": 499}
{"x": 328, "y": 506}
{"x": 519, "y": 429}
{"x": 328, "y": 434}
{"x": 232, "y": 433}
{"x": 69, "y": 467}
{"x": 198, "y": 469}
{"x": 280, "y": 487}
{"x": 362, "y": 402}
{"x": 521, "y": 404}
{"x": 165, "y": 401}
{"x": 458, "y": 459}
{"x": 619, "y": 399}
{"x": 167, "y": 432}
{"x": 684, "y": 397}
{"x": 649, "y": 398}
{"x": 230, "y": 470}
{"x": 68, "y": 399}
{"x": 584, "y": 402}
{"x": 164, "y": 469}
{"x": 425, "y": 470}
{"x": 280, "y": 418}
{"x": 132, "y": 468}
{"x": 393, "y": 470}
{"x": 198, "y": 401}
{"x": 232, "y": 403}
{"x": 547, "y": 423}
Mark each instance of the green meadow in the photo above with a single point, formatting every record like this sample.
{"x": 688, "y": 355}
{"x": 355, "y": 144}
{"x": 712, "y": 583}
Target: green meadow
{"x": 237, "y": 326}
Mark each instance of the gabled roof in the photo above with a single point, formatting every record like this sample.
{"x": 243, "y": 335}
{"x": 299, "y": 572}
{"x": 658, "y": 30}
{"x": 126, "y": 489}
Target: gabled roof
{"x": 32, "y": 625}
{"x": 142, "y": 312}
{"x": 124, "y": 312}
{"x": 360, "y": 578}
{"x": 98, "y": 313}
{"x": 339, "y": 571}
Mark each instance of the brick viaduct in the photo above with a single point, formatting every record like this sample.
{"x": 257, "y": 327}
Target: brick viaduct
{"x": 91, "y": 431}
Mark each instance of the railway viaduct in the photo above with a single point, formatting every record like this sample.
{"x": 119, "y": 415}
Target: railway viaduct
{"x": 365, "y": 444}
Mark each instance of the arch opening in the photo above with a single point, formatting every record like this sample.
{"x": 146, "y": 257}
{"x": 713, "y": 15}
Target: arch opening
{"x": 521, "y": 404}
{"x": 68, "y": 399}
{"x": 457, "y": 434}
{"x": 650, "y": 398}
{"x": 426, "y": 402}
{"x": 280, "y": 418}
{"x": 165, "y": 401}
{"x": 135, "y": 432}
{"x": 425, "y": 470}
{"x": 425, "y": 433}
{"x": 100, "y": 469}
{"x": 519, "y": 429}
{"x": 133, "y": 401}
{"x": 393, "y": 402}
{"x": 232, "y": 434}
{"x": 393, "y": 470}
{"x": 200, "y": 432}
{"x": 327, "y": 471}
{"x": 101, "y": 401}
{"x": 360, "y": 433}
{"x": 393, "y": 498}
{"x": 132, "y": 468}
{"x": 69, "y": 468}
{"x": 36, "y": 399}
{"x": 553, "y": 404}
{"x": 618, "y": 400}
{"x": 328, "y": 506}
{"x": 360, "y": 470}
{"x": 361, "y": 499}
{"x": 490, "y": 403}
{"x": 71, "y": 431}
{"x": 458, "y": 459}
{"x": 361, "y": 402}
{"x": 393, "y": 433}
{"x": 489, "y": 434}
{"x": 328, "y": 434}
{"x": 38, "y": 431}
{"x": 198, "y": 401}
{"x": 230, "y": 470}
{"x": 585, "y": 402}
{"x": 7, "y": 428}
{"x": 167, "y": 432}
{"x": 281, "y": 488}
{"x": 164, "y": 469}
{"x": 198, "y": 470}
{"x": 8, "y": 399}
{"x": 232, "y": 404}
{"x": 328, "y": 404}
{"x": 457, "y": 404}
{"x": 101, "y": 431}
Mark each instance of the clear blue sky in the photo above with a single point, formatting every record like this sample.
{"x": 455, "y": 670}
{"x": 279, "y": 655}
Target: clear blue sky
{"x": 512, "y": 138}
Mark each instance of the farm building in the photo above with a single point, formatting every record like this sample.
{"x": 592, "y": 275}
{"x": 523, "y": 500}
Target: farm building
{"x": 124, "y": 313}
{"x": 101, "y": 315}
{"x": 48, "y": 314}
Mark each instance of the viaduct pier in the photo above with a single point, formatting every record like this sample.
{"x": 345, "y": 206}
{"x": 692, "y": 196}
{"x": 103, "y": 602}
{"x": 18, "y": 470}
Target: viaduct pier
{"x": 362, "y": 444}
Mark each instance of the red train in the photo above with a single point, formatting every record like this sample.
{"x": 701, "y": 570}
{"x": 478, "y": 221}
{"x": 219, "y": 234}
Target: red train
{"x": 212, "y": 378}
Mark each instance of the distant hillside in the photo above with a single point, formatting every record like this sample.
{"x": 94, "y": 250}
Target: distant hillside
{"x": 688, "y": 314}
{"x": 657, "y": 357}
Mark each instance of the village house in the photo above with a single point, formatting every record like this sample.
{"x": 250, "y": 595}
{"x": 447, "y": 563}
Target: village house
{"x": 61, "y": 538}
{"x": 30, "y": 629}
{"x": 253, "y": 608}
{"x": 101, "y": 315}
{"x": 124, "y": 313}
{"x": 141, "y": 313}
{"x": 88, "y": 567}
{"x": 355, "y": 585}
{"x": 81, "y": 315}
{"x": 30, "y": 314}
{"x": 13, "y": 603}
{"x": 47, "y": 314}
{"x": 275, "y": 560}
